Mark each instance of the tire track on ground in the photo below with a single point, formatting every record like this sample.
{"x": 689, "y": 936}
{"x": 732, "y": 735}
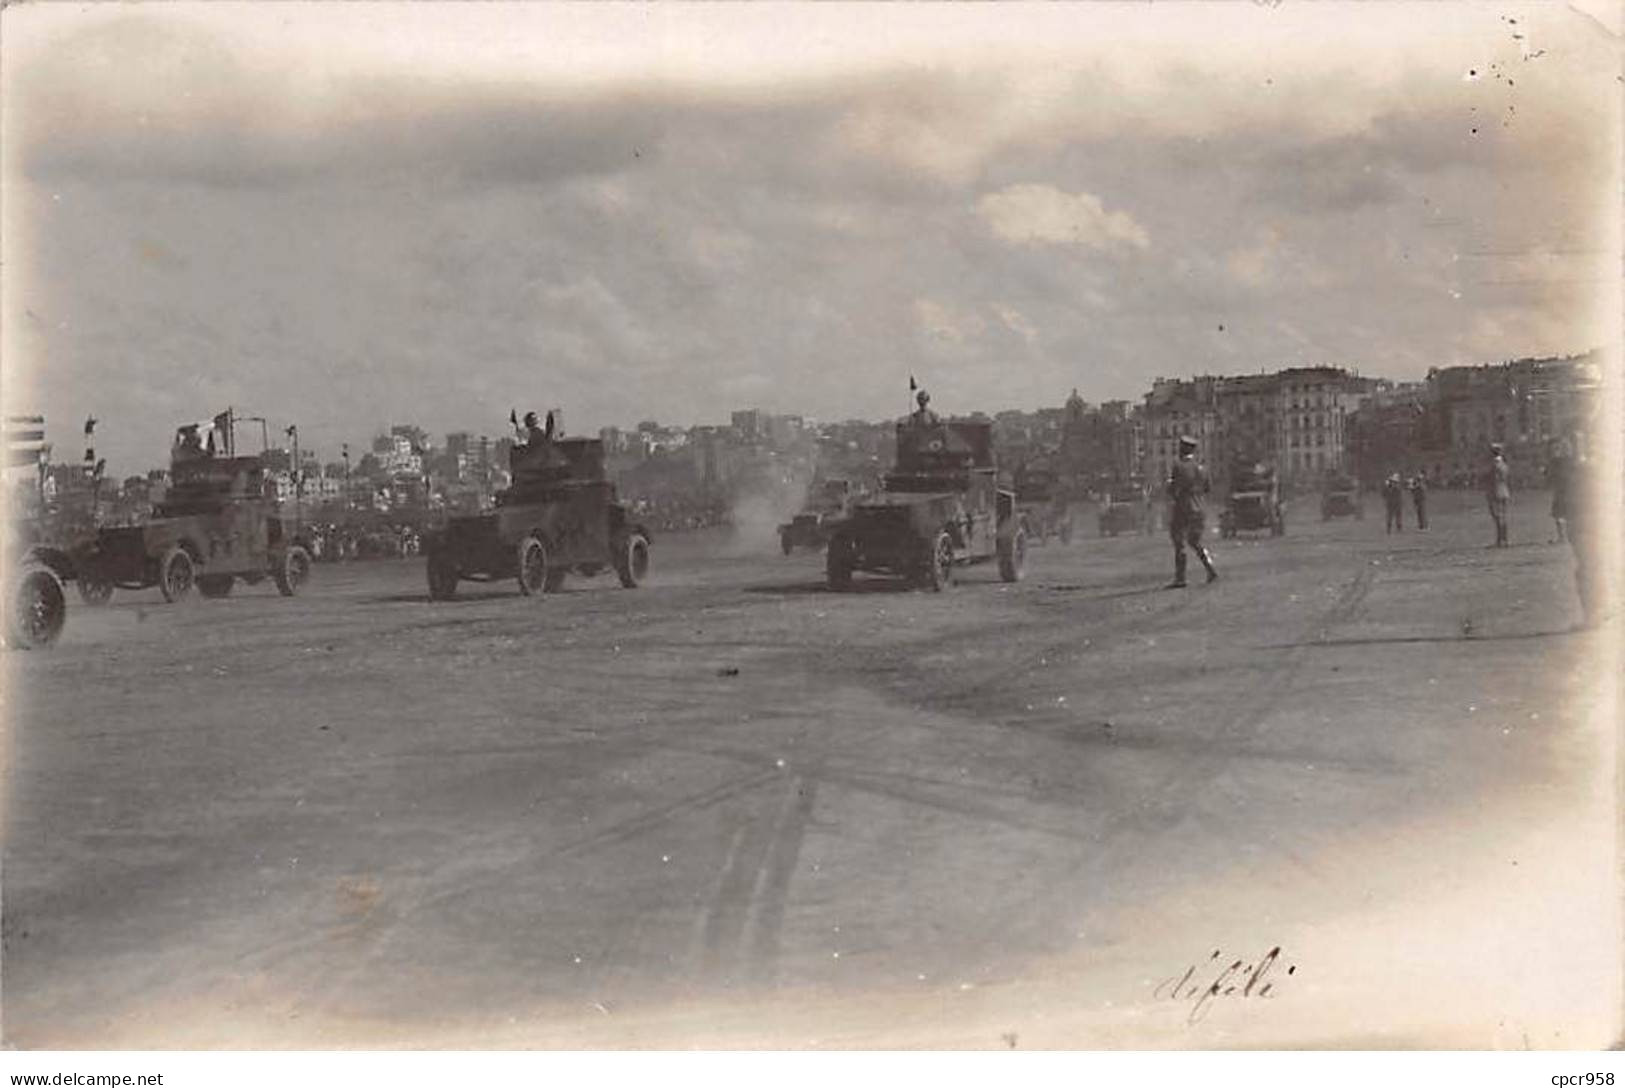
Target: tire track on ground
{"x": 490, "y": 858}
{"x": 1166, "y": 804}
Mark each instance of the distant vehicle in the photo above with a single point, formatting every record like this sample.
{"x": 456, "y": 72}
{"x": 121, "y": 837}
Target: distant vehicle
{"x": 939, "y": 508}
{"x": 826, "y": 504}
{"x": 1341, "y": 498}
{"x": 1042, "y": 504}
{"x": 560, "y": 516}
{"x": 35, "y": 606}
{"x": 218, "y": 524}
{"x": 1123, "y": 511}
{"x": 1254, "y": 503}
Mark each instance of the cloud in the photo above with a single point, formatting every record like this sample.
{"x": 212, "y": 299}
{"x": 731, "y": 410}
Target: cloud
{"x": 940, "y": 323}
{"x": 346, "y": 243}
{"x": 1032, "y": 214}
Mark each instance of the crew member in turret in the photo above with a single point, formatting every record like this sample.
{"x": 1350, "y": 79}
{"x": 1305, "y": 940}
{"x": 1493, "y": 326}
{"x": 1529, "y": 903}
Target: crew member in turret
{"x": 189, "y": 444}
{"x": 923, "y": 416}
{"x": 531, "y": 434}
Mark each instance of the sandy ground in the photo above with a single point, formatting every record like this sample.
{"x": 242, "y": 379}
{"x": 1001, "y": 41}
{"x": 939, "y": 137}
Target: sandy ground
{"x": 732, "y": 809}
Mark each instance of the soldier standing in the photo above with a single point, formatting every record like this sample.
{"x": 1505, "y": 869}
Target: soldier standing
{"x": 1419, "y": 499}
{"x": 1187, "y": 484}
{"x": 1393, "y": 500}
{"x": 1498, "y": 490}
{"x": 1557, "y": 473}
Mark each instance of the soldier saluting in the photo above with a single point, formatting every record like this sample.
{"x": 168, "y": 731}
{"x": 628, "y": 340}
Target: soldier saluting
{"x": 1187, "y": 484}
{"x": 533, "y": 435}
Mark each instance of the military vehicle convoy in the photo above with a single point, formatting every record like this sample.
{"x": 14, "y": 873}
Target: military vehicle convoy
{"x": 1254, "y": 502}
{"x": 939, "y": 508}
{"x": 1042, "y": 503}
{"x": 218, "y": 524}
{"x": 826, "y": 504}
{"x": 1340, "y": 498}
{"x": 561, "y": 515}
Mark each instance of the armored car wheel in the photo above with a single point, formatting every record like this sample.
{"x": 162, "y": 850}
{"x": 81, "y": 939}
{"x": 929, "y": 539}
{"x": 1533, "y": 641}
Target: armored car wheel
{"x": 1012, "y": 556}
{"x": 532, "y": 563}
{"x": 175, "y": 573}
{"x": 632, "y": 560}
{"x": 442, "y": 577}
{"x": 215, "y": 585}
{"x": 94, "y": 590}
{"x": 36, "y": 608}
{"x": 939, "y": 565}
{"x": 293, "y": 571}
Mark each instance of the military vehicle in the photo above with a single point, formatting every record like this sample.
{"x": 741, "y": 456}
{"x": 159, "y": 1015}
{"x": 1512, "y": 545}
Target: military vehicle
{"x": 1254, "y": 502}
{"x": 1042, "y": 503}
{"x": 560, "y": 515}
{"x": 218, "y": 523}
{"x": 826, "y": 504}
{"x": 1123, "y": 511}
{"x": 1340, "y": 498}
{"x": 938, "y": 509}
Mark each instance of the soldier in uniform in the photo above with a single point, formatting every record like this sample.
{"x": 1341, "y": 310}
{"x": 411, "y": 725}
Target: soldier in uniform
{"x": 1419, "y": 498}
{"x": 1557, "y": 472}
{"x": 1393, "y": 501}
{"x": 189, "y": 444}
{"x": 1187, "y": 484}
{"x": 533, "y": 435}
{"x": 1498, "y": 491}
{"x": 923, "y": 416}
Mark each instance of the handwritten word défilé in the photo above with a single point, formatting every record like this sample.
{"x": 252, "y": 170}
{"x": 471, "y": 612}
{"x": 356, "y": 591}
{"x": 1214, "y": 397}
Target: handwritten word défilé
{"x": 1219, "y": 979}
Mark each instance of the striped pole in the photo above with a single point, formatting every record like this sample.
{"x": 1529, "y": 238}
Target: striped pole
{"x": 25, "y": 445}
{"x": 25, "y": 440}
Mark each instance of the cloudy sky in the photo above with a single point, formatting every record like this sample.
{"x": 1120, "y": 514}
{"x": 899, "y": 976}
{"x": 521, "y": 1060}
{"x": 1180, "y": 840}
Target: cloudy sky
{"x": 343, "y": 216}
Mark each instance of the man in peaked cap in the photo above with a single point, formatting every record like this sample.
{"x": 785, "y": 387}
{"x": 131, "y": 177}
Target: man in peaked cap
{"x": 1187, "y": 484}
{"x": 1498, "y": 492}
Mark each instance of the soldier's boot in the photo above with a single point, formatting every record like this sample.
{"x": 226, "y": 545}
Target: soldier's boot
{"x": 1179, "y": 571}
{"x": 1207, "y": 561}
